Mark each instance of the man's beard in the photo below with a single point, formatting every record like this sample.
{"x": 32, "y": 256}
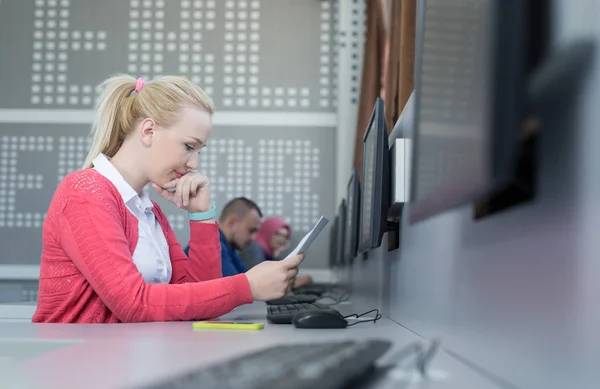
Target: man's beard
{"x": 233, "y": 244}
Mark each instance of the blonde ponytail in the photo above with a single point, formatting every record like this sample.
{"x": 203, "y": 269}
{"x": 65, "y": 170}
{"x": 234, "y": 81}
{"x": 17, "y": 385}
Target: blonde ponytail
{"x": 118, "y": 109}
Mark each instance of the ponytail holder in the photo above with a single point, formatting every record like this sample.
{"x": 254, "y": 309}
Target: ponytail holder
{"x": 138, "y": 86}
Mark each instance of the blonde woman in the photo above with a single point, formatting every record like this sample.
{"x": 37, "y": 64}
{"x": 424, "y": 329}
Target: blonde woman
{"x": 109, "y": 254}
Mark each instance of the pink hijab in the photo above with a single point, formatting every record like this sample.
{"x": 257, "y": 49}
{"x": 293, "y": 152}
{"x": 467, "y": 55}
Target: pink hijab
{"x": 266, "y": 231}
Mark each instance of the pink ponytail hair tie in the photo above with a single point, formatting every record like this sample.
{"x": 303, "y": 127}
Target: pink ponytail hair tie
{"x": 139, "y": 85}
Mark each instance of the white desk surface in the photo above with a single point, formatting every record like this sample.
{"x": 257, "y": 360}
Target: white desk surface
{"x": 19, "y": 312}
{"x": 111, "y": 356}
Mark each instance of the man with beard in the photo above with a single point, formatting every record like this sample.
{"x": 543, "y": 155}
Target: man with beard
{"x": 238, "y": 225}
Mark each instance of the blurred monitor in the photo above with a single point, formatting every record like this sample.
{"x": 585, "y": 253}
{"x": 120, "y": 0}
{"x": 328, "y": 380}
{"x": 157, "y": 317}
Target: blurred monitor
{"x": 352, "y": 217}
{"x": 341, "y": 233}
{"x": 470, "y": 96}
{"x": 333, "y": 244}
{"x": 375, "y": 196}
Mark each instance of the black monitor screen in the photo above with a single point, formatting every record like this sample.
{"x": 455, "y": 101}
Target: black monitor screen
{"x": 368, "y": 176}
{"x": 375, "y": 198}
{"x": 468, "y": 83}
{"x": 352, "y": 217}
{"x": 333, "y": 244}
{"x": 341, "y": 232}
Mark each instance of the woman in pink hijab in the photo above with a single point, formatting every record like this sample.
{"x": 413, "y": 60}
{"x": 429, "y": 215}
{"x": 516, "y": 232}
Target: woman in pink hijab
{"x": 272, "y": 239}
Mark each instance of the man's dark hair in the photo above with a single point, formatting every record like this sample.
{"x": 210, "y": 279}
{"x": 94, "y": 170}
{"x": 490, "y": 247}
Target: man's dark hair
{"x": 240, "y": 206}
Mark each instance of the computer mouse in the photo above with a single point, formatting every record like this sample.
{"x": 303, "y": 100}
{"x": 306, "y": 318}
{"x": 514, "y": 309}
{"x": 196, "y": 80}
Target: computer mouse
{"x": 319, "y": 318}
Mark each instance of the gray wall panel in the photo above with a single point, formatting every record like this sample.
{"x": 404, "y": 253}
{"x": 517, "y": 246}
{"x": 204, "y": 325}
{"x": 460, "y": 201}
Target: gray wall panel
{"x": 263, "y": 57}
{"x": 248, "y": 55}
{"x": 285, "y": 170}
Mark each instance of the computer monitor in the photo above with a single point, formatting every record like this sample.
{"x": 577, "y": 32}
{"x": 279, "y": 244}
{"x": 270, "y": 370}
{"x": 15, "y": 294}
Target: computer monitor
{"x": 341, "y": 233}
{"x": 333, "y": 244}
{"x": 470, "y": 97}
{"x": 352, "y": 217}
{"x": 375, "y": 196}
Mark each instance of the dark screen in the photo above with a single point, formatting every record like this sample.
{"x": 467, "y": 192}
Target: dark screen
{"x": 468, "y": 88}
{"x": 368, "y": 172}
{"x": 351, "y": 204}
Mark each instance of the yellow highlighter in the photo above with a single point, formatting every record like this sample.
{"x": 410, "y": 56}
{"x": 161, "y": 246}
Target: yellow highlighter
{"x": 227, "y": 325}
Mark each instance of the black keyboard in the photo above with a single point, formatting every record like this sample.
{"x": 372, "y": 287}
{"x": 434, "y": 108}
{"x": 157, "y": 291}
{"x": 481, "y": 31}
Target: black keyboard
{"x": 326, "y": 365}
{"x": 317, "y": 290}
{"x": 294, "y": 299}
{"x": 282, "y": 314}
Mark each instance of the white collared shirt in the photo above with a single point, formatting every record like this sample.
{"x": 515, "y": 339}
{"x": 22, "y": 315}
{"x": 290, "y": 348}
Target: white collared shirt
{"x": 151, "y": 255}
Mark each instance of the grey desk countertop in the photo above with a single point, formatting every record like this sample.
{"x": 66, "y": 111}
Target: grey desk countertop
{"x": 111, "y": 356}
